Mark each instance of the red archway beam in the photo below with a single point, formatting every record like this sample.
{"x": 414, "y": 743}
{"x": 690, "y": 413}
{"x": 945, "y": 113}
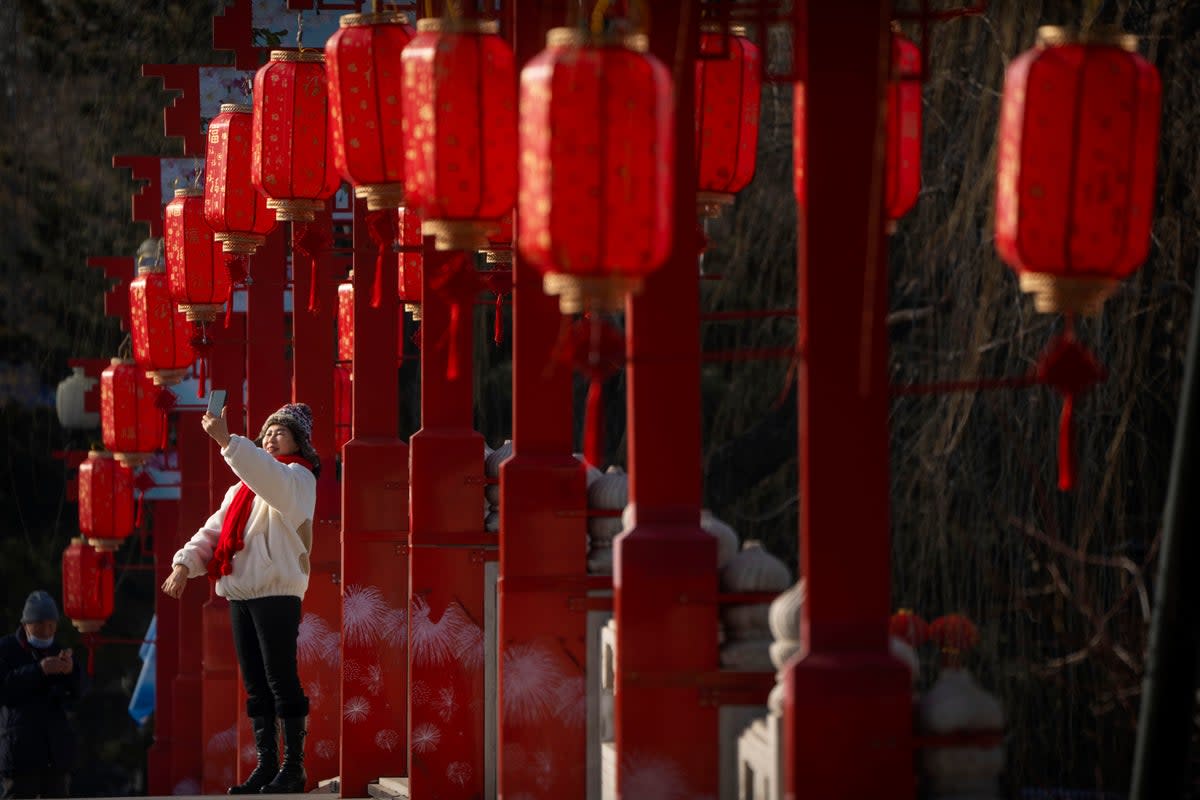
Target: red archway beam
{"x": 147, "y": 199}
{"x": 116, "y": 298}
{"x": 181, "y": 117}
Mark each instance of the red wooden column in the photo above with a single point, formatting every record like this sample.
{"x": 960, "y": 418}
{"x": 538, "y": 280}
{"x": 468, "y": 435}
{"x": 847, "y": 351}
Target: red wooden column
{"x": 848, "y": 702}
{"x": 312, "y": 383}
{"x": 159, "y": 762}
{"x": 187, "y": 752}
{"x": 374, "y": 688}
{"x": 220, "y": 680}
{"x": 268, "y": 385}
{"x": 665, "y": 568}
{"x": 450, "y": 548}
{"x": 543, "y": 539}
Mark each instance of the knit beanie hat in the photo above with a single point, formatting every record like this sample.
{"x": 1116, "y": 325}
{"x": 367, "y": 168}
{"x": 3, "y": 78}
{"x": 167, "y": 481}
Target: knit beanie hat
{"x": 296, "y": 416}
{"x": 39, "y": 607}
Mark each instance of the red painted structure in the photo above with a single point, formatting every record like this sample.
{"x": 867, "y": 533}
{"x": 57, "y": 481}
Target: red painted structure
{"x": 847, "y": 701}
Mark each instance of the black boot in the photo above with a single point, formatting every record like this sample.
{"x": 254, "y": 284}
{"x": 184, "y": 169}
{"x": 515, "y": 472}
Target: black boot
{"x": 266, "y": 741}
{"x": 291, "y": 777}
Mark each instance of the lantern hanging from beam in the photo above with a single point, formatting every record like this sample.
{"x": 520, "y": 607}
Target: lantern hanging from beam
{"x": 411, "y": 246}
{"x": 196, "y": 273}
{"x": 292, "y": 156}
{"x": 87, "y": 579}
{"x": 904, "y": 130}
{"x": 728, "y": 91}
{"x": 345, "y": 325}
{"x": 902, "y": 161}
{"x": 160, "y": 332}
{"x": 1076, "y": 167}
{"x": 596, "y": 167}
{"x": 106, "y": 504}
{"x": 131, "y": 422}
{"x": 233, "y": 208}
{"x": 364, "y": 75}
{"x": 460, "y": 129}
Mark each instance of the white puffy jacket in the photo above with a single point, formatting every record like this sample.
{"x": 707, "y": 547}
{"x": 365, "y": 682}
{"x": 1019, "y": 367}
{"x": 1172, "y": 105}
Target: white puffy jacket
{"x": 278, "y": 539}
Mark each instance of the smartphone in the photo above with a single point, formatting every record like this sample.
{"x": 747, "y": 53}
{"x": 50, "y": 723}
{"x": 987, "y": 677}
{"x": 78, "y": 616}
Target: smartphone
{"x": 216, "y": 401}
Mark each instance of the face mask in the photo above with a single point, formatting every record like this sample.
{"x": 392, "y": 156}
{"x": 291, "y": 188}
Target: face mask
{"x": 41, "y": 644}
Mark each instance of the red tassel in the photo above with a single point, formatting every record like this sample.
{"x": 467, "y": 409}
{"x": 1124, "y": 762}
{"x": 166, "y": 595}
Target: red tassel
{"x": 141, "y": 504}
{"x": 593, "y": 430}
{"x": 498, "y": 323}
{"x": 381, "y": 227}
{"x": 201, "y": 375}
{"x": 1067, "y": 464}
{"x": 452, "y": 359}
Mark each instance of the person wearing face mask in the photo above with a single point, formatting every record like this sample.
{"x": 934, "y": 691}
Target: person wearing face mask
{"x": 256, "y": 548}
{"x": 39, "y": 684}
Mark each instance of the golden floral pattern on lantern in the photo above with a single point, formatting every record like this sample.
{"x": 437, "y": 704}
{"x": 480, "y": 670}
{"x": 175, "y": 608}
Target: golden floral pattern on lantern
{"x": 460, "y": 127}
{"x": 364, "y": 108}
{"x": 291, "y": 149}
{"x": 131, "y": 424}
{"x": 196, "y": 275}
{"x": 105, "y": 500}
{"x": 160, "y": 333}
{"x": 233, "y": 208}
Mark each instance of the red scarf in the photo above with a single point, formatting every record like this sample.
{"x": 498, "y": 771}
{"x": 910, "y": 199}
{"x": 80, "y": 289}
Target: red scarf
{"x": 233, "y": 529}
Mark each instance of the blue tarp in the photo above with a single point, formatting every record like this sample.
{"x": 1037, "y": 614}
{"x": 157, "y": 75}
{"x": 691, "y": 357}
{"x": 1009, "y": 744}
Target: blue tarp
{"x": 141, "y": 705}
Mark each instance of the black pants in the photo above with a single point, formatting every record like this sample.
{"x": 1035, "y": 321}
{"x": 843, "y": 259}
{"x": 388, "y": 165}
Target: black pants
{"x": 41, "y": 783}
{"x": 265, "y": 630}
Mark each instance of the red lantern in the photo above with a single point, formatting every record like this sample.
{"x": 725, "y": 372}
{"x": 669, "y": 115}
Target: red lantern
{"x": 904, "y": 130}
{"x": 412, "y": 243}
{"x": 460, "y": 129}
{"x": 596, "y": 167}
{"x": 902, "y": 165}
{"x": 292, "y": 156}
{"x": 365, "y": 89}
{"x": 1076, "y": 167}
{"x": 728, "y": 90}
{"x": 160, "y": 332}
{"x": 87, "y": 577}
{"x": 105, "y": 500}
{"x": 131, "y": 423}
{"x": 343, "y": 410}
{"x": 345, "y": 325}
{"x": 233, "y": 208}
{"x": 196, "y": 273}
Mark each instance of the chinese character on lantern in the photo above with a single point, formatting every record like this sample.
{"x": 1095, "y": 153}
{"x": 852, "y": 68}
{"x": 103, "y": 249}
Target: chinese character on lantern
{"x": 131, "y": 420}
{"x": 159, "y": 331}
{"x": 233, "y": 208}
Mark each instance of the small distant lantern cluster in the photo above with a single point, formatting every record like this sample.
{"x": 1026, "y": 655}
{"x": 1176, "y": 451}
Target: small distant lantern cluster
{"x": 87, "y": 579}
{"x": 1075, "y": 169}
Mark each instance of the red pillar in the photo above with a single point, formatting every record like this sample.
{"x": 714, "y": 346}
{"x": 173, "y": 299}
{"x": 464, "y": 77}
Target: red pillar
{"x": 665, "y": 568}
{"x": 268, "y": 387}
{"x": 312, "y": 383}
{"x": 159, "y": 757}
{"x": 192, "y": 444}
{"x": 219, "y": 676}
{"x": 848, "y": 703}
{"x": 543, "y": 541}
{"x": 450, "y": 549}
{"x": 374, "y": 679}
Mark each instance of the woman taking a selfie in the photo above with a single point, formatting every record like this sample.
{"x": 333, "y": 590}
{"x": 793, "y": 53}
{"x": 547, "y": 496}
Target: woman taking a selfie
{"x": 256, "y": 547}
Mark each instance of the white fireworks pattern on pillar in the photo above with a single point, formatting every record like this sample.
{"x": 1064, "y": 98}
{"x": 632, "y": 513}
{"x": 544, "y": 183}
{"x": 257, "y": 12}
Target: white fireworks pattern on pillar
{"x": 530, "y": 677}
{"x": 316, "y": 642}
{"x": 355, "y": 709}
{"x": 387, "y": 740}
{"x": 364, "y": 615}
{"x": 425, "y": 738}
{"x": 459, "y": 772}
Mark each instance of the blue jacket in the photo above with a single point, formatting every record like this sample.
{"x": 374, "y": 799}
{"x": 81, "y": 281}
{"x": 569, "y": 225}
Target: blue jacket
{"x": 34, "y": 730}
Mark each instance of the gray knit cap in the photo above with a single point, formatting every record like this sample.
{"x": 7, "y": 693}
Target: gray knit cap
{"x": 296, "y": 416}
{"x": 39, "y": 607}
